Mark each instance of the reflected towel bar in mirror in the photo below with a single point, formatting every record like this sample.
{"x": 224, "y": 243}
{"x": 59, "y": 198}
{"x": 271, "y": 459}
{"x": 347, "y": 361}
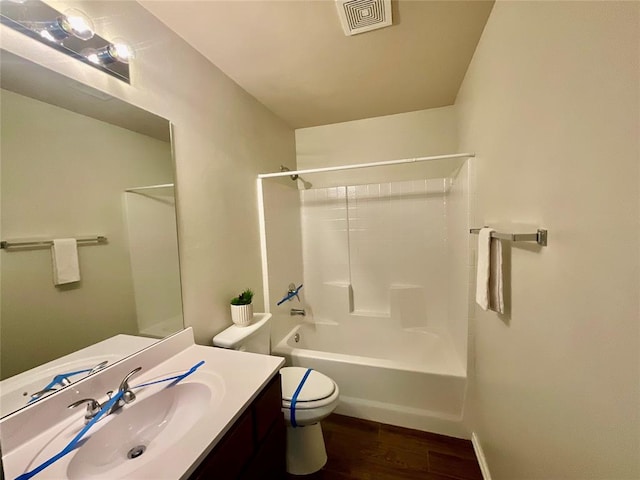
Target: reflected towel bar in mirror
{"x": 7, "y": 244}
{"x": 540, "y": 237}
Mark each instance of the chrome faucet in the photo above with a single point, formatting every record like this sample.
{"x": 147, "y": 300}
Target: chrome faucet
{"x": 127, "y": 394}
{"x": 93, "y": 408}
{"x": 38, "y": 394}
{"x": 98, "y": 367}
{"x": 297, "y": 311}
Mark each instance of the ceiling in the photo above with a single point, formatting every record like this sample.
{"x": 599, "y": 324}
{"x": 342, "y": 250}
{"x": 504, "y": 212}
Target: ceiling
{"x": 293, "y": 56}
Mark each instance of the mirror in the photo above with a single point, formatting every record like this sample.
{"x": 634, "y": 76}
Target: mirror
{"x": 77, "y": 163}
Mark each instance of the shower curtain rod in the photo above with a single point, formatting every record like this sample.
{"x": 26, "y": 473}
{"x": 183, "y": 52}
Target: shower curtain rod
{"x": 150, "y": 187}
{"x": 365, "y": 165}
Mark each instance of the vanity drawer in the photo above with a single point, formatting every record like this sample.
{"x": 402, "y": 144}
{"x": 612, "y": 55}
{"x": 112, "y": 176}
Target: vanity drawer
{"x": 270, "y": 461}
{"x": 231, "y": 455}
{"x": 255, "y": 447}
{"x": 268, "y": 408}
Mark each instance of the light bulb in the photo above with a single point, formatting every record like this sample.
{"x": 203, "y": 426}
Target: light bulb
{"x": 76, "y": 23}
{"x": 118, "y": 51}
{"x": 122, "y": 50}
{"x": 72, "y": 23}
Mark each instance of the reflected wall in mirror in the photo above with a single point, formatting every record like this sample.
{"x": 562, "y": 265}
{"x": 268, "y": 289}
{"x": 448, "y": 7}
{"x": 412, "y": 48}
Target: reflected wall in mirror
{"x": 73, "y": 162}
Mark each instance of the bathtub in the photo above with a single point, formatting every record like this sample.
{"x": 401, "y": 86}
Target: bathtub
{"x": 404, "y": 377}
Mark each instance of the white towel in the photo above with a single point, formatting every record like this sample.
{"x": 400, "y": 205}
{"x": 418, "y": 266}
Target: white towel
{"x": 496, "y": 298}
{"x": 66, "y": 268}
{"x": 489, "y": 289}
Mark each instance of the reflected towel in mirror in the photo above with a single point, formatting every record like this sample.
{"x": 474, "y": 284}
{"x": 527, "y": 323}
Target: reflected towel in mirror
{"x": 64, "y": 254}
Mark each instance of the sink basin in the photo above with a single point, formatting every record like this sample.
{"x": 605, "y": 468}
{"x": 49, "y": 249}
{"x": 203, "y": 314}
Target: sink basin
{"x": 140, "y": 432}
{"x": 177, "y": 426}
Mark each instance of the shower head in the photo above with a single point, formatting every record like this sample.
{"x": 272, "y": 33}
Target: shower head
{"x": 287, "y": 169}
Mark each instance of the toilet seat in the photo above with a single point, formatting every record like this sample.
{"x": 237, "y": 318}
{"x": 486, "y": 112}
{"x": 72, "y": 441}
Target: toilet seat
{"x": 318, "y": 389}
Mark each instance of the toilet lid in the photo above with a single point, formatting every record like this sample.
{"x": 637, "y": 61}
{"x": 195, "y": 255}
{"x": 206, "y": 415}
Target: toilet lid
{"x": 316, "y": 387}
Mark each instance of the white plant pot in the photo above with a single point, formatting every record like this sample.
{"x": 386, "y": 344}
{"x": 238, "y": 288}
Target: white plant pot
{"x": 242, "y": 314}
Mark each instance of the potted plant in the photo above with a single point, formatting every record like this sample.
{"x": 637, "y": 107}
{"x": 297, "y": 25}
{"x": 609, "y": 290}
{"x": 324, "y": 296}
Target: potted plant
{"x": 242, "y": 308}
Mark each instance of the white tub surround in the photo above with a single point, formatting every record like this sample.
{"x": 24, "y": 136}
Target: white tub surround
{"x": 232, "y": 380}
{"x": 386, "y": 271}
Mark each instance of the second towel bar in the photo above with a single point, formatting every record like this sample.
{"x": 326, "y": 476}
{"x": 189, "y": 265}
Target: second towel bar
{"x": 9, "y": 244}
{"x": 540, "y": 237}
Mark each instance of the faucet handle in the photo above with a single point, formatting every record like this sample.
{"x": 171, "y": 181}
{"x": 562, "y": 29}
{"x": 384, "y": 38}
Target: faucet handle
{"x": 39, "y": 393}
{"x": 93, "y": 407}
{"x": 128, "y": 396}
{"x": 98, "y": 367}
{"x": 293, "y": 291}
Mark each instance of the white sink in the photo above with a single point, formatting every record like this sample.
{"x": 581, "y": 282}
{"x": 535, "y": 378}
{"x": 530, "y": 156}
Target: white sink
{"x": 154, "y": 424}
{"x": 143, "y": 430}
{"x": 178, "y": 426}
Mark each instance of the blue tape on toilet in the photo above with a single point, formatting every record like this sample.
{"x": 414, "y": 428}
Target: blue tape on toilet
{"x": 294, "y": 399}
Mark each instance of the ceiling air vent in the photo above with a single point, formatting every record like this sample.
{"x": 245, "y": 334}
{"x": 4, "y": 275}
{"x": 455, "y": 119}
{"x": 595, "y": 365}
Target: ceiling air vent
{"x": 359, "y": 16}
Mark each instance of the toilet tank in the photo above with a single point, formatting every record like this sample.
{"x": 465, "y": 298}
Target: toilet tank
{"x": 255, "y": 338}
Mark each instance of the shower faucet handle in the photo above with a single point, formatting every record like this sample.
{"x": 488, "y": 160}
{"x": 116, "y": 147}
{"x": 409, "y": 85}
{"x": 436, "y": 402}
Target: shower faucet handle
{"x": 293, "y": 291}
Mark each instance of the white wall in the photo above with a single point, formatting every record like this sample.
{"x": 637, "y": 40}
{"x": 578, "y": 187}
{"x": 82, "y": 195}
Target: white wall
{"x": 223, "y": 138}
{"x": 550, "y": 104}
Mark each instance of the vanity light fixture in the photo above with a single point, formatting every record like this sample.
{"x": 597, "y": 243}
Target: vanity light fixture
{"x": 72, "y": 23}
{"x": 70, "y": 32}
{"x": 118, "y": 51}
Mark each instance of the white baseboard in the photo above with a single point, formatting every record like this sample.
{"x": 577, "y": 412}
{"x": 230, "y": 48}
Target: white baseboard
{"x": 482, "y": 461}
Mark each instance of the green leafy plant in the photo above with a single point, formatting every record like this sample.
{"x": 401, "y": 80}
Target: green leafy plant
{"x": 244, "y": 298}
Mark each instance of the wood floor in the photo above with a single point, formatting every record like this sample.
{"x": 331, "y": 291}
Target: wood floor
{"x": 364, "y": 450}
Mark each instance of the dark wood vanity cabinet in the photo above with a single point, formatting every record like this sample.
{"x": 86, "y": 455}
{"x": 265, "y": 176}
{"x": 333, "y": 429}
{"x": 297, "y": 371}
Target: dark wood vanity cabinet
{"x": 255, "y": 447}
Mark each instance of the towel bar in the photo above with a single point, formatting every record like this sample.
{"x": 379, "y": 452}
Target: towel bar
{"x": 540, "y": 237}
{"x": 47, "y": 243}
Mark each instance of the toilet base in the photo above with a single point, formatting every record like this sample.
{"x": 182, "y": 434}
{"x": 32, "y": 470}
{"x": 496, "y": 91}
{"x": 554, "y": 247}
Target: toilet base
{"x": 306, "y": 453}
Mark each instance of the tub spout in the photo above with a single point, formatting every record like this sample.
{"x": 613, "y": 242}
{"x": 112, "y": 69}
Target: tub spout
{"x": 298, "y": 311}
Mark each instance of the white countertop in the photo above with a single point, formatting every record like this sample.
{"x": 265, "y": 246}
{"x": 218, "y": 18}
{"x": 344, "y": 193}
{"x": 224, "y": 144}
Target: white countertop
{"x": 235, "y": 379}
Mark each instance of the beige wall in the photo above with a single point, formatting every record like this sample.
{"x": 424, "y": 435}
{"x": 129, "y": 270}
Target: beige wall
{"x": 51, "y": 158}
{"x": 223, "y": 138}
{"x": 392, "y": 137}
{"x": 550, "y": 104}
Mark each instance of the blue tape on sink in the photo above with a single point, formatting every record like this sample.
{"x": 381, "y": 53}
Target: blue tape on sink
{"x": 59, "y": 380}
{"x": 72, "y": 444}
{"x": 107, "y": 406}
{"x": 176, "y": 378}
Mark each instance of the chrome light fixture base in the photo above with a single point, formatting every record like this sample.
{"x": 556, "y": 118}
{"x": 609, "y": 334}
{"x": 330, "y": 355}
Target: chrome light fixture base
{"x": 45, "y": 24}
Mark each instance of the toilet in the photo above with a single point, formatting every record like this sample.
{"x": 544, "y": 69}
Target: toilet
{"x": 308, "y": 396}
